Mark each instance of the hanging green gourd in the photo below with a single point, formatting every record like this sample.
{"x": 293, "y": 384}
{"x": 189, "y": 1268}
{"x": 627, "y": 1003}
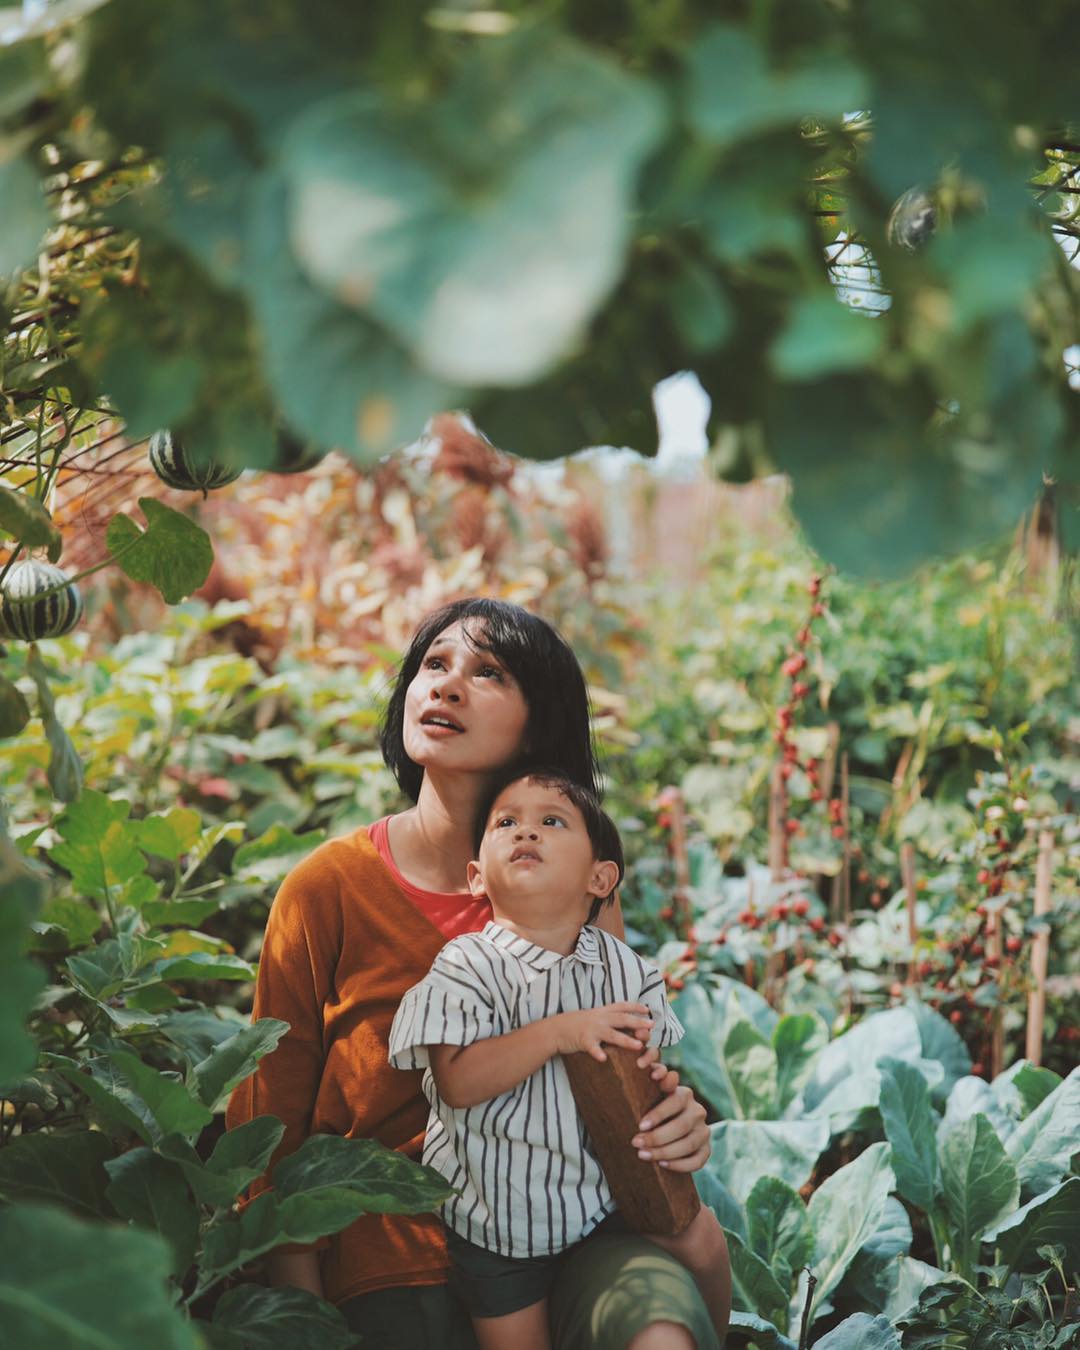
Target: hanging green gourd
{"x": 28, "y": 614}
{"x": 173, "y": 466}
{"x": 294, "y": 455}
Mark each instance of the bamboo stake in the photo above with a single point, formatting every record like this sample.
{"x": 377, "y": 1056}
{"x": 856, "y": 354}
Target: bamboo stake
{"x": 681, "y": 860}
{"x": 907, "y": 873}
{"x": 778, "y": 848}
{"x": 994, "y": 948}
{"x": 1040, "y": 949}
{"x": 845, "y": 797}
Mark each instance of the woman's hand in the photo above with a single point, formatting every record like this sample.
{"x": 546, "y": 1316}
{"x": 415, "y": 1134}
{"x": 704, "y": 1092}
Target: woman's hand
{"x": 674, "y": 1133}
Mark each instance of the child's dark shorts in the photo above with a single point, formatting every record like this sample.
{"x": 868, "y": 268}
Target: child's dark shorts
{"x": 491, "y": 1285}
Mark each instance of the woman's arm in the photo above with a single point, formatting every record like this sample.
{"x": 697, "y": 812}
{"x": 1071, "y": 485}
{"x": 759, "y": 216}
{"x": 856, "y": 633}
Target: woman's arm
{"x": 470, "y": 1074}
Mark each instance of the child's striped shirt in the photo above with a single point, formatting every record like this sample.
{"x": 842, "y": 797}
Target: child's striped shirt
{"x": 528, "y": 1182}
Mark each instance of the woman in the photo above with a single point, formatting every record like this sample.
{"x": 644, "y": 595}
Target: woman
{"x": 360, "y": 921}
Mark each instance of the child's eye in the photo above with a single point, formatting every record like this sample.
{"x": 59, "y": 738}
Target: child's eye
{"x": 554, "y": 820}
{"x": 504, "y": 821}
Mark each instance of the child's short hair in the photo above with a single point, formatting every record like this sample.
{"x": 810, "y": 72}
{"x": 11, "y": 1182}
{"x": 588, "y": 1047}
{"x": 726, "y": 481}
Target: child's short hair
{"x": 603, "y": 835}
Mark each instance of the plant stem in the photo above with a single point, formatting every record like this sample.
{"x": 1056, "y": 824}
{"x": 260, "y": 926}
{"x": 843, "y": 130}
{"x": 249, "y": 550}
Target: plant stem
{"x": 804, "y": 1326}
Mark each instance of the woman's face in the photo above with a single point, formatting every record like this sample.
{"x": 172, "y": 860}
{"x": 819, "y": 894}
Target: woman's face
{"x": 464, "y": 711}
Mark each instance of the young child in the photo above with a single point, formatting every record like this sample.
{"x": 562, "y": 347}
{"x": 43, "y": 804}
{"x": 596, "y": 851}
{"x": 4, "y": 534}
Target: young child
{"x": 490, "y": 1022}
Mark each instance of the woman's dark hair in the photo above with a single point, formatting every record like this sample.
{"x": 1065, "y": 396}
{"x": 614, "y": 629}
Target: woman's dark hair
{"x": 602, "y": 831}
{"x": 546, "y": 670}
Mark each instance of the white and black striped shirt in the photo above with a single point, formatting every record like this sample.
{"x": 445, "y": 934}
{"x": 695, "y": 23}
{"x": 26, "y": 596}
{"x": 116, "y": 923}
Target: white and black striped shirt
{"x": 528, "y": 1183}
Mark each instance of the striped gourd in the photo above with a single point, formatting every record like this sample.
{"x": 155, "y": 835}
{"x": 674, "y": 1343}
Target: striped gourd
{"x": 172, "y": 465}
{"x": 294, "y": 456}
{"x": 27, "y": 614}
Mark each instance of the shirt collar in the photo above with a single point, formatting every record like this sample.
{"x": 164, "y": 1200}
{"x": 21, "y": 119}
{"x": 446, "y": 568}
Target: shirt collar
{"x": 587, "y": 949}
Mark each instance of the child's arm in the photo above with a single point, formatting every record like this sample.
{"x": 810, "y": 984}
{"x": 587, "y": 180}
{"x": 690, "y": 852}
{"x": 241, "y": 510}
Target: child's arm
{"x": 471, "y": 1074}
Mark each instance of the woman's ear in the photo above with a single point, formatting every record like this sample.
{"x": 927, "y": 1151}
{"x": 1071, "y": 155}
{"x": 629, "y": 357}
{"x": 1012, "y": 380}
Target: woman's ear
{"x": 603, "y": 879}
{"x": 475, "y": 880}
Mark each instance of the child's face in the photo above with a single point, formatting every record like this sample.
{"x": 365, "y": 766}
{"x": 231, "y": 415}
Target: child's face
{"x": 536, "y": 858}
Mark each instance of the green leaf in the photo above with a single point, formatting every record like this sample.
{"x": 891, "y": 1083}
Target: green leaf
{"x": 97, "y": 846}
{"x": 844, "y": 1212}
{"x": 797, "y": 1040}
{"x": 172, "y": 553}
{"x": 861, "y": 1332}
{"x": 240, "y": 1155}
{"x": 761, "y": 1333}
{"x": 465, "y": 257}
{"x": 196, "y": 1031}
{"x": 14, "y": 709}
{"x": 112, "y": 965}
{"x": 24, "y": 75}
{"x": 388, "y": 1181}
{"x": 67, "y": 1169}
{"x": 274, "y": 853}
{"x": 233, "y": 1060}
{"x": 151, "y": 1191}
{"x": 65, "y": 772}
{"x": 1043, "y": 1145}
{"x": 26, "y": 519}
{"x": 744, "y": 1150}
{"x": 910, "y": 1127}
{"x": 204, "y": 966}
{"x": 272, "y": 1319}
{"x": 1033, "y": 1085}
{"x": 171, "y": 1107}
{"x": 1053, "y": 1217}
{"x": 733, "y": 94}
{"x": 338, "y": 377}
{"x": 778, "y": 1224}
{"x": 751, "y": 1066}
{"x": 68, "y": 1283}
{"x": 21, "y": 892}
{"x": 25, "y": 217}
{"x": 110, "y": 1101}
{"x": 168, "y": 834}
{"x": 754, "y": 1288}
{"x": 78, "y": 920}
{"x": 825, "y": 335}
{"x": 940, "y": 1040}
{"x": 979, "y": 1182}
{"x": 723, "y": 1204}
{"x": 178, "y": 913}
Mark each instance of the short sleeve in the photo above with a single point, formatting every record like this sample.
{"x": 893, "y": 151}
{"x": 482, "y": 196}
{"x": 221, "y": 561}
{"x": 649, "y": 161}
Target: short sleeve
{"x": 667, "y": 1029}
{"x": 448, "y": 1007}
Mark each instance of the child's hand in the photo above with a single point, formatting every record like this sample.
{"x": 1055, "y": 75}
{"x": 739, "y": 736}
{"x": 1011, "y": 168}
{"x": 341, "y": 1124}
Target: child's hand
{"x": 625, "y": 1024}
{"x": 667, "y": 1079}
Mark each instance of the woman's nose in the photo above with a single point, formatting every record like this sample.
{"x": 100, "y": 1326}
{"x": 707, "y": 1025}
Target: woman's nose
{"x": 446, "y": 688}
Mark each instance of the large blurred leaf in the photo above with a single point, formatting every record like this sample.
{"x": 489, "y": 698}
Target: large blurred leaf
{"x": 941, "y": 1041}
{"x": 168, "y": 834}
{"x": 151, "y": 1191}
{"x": 281, "y": 1319}
{"x": 844, "y": 1211}
{"x": 979, "y": 1182}
{"x": 824, "y": 335}
{"x": 25, "y": 217}
{"x": 778, "y": 1224}
{"x": 486, "y": 262}
{"x": 66, "y": 1169}
{"x": 25, "y": 518}
{"x": 733, "y": 93}
{"x": 172, "y": 553}
{"x": 22, "y": 889}
{"x": 14, "y": 709}
{"x": 797, "y": 1040}
{"x": 910, "y": 1126}
{"x": 68, "y": 1283}
{"x": 274, "y": 853}
{"x": 751, "y": 1066}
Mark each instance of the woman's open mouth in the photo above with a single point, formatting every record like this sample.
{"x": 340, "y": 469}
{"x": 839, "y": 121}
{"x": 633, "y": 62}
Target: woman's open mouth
{"x": 441, "y": 722}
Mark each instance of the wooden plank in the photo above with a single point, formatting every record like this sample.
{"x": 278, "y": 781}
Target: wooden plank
{"x": 613, "y": 1097}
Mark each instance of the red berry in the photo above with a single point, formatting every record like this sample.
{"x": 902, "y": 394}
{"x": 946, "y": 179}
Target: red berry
{"x": 956, "y": 1017}
{"x": 793, "y": 665}
{"x": 747, "y": 916}
{"x": 991, "y": 962}
{"x": 977, "y": 1068}
{"x": 721, "y": 938}
{"x": 786, "y": 770}
{"x": 780, "y": 911}
{"x": 667, "y": 912}
{"x": 983, "y": 876}
{"x": 783, "y": 717}
{"x": 792, "y": 826}
{"x": 817, "y": 795}
{"x": 835, "y": 939}
{"x": 838, "y": 831}
{"x": 817, "y": 923}
{"x": 803, "y": 636}
{"x": 817, "y": 611}
{"x": 801, "y": 905}
{"x": 799, "y": 689}
{"x": 896, "y": 990}
{"x": 1013, "y": 944}
{"x": 875, "y": 899}
{"x": 677, "y": 984}
{"x": 814, "y": 586}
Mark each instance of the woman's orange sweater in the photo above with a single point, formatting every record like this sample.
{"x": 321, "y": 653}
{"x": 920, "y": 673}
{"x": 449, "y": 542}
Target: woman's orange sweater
{"x": 342, "y": 945}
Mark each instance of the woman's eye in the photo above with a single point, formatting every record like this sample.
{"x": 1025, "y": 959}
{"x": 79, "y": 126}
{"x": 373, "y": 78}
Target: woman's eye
{"x": 490, "y": 673}
{"x": 433, "y": 663}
